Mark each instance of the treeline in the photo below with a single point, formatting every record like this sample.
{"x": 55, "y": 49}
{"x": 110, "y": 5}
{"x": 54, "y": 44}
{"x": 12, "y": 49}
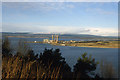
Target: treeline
{"x": 49, "y": 65}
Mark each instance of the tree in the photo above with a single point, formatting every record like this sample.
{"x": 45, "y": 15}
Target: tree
{"x": 53, "y": 59}
{"x": 6, "y": 50}
{"x": 23, "y": 48}
{"x": 84, "y": 67}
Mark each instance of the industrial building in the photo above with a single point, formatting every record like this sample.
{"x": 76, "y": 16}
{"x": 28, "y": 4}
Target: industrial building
{"x": 54, "y": 39}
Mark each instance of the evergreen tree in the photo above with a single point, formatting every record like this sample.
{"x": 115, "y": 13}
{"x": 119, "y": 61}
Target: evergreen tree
{"x": 84, "y": 67}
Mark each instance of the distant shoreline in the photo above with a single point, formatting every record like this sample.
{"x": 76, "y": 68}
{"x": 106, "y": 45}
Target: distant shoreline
{"x": 99, "y": 44}
{"x": 109, "y": 45}
{"x": 25, "y": 37}
{"x": 89, "y": 46}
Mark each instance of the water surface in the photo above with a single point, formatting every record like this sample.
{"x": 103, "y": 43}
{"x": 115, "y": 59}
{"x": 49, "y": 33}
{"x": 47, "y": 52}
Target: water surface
{"x": 72, "y": 53}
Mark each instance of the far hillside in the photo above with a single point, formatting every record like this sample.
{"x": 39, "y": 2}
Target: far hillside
{"x": 61, "y": 36}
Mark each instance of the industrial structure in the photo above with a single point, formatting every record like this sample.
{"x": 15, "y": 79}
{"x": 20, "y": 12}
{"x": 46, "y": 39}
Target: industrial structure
{"x": 54, "y": 39}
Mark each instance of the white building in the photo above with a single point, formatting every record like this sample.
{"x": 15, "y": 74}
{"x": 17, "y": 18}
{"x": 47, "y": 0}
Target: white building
{"x": 46, "y": 40}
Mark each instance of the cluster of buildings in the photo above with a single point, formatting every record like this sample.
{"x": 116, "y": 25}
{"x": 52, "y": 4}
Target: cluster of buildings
{"x": 54, "y": 39}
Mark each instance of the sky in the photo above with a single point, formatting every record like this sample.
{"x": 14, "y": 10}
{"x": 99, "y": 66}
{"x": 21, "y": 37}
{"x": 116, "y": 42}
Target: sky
{"x": 60, "y": 0}
{"x": 94, "y": 18}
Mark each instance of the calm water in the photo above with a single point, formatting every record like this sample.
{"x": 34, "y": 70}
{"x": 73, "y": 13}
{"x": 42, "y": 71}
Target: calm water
{"x": 71, "y": 54}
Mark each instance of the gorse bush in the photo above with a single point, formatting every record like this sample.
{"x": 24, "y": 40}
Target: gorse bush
{"x": 49, "y": 65}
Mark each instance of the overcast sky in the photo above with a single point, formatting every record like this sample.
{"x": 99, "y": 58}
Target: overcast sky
{"x": 61, "y": 17}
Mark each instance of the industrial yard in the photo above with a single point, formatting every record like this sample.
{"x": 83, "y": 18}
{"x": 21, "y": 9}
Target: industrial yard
{"x": 99, "y": 44}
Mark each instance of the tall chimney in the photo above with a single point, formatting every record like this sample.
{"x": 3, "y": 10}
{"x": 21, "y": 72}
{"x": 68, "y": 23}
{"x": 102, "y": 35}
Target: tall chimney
{"x": 57, "y": 37}
{"x": 52, "y": 37}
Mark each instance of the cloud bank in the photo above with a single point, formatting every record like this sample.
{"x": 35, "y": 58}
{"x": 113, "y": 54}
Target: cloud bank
{"x": 59, "y": 29}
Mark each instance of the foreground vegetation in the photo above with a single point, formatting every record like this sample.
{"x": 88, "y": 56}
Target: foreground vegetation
{"x": 49, "y": 65}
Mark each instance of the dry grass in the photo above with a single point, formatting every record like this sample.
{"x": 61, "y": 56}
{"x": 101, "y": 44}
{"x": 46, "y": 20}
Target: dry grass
{"x": 107, "y": 70}
{"x": 18, "y": 68}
